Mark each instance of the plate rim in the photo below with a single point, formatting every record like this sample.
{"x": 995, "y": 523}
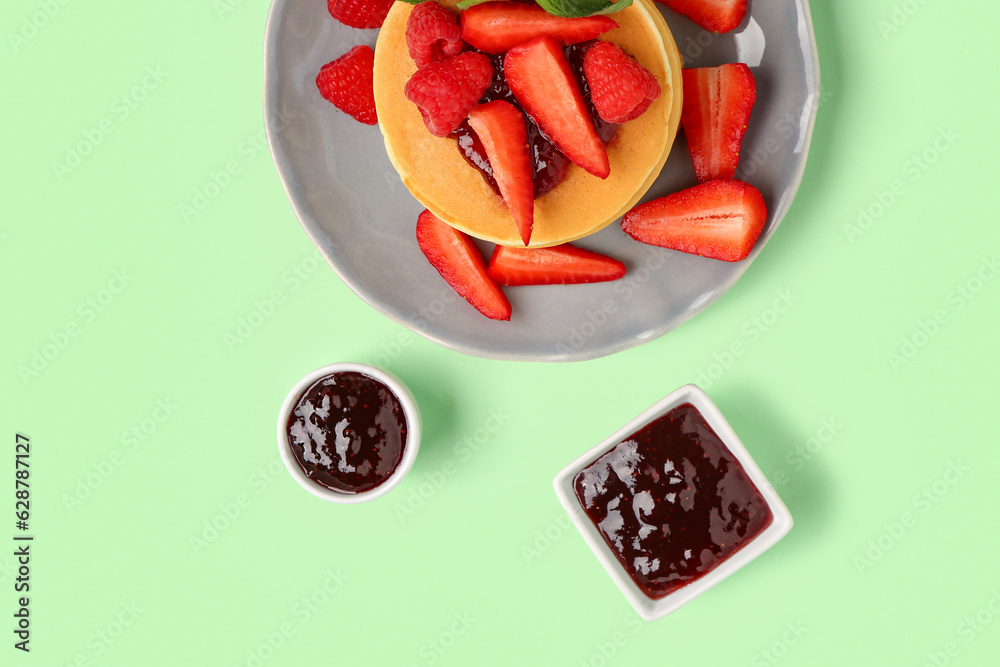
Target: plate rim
{"x": 585, "y": 353}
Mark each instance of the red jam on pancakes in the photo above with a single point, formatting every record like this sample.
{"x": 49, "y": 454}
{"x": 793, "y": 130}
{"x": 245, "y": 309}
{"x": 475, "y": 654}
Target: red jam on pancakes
{"x": 548, "y": 164}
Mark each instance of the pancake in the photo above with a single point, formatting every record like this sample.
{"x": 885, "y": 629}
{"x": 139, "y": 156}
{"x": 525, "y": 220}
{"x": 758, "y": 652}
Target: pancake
{"x": 437, "y": 174}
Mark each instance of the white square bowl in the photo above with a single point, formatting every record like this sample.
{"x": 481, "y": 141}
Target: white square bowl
{"x": 647, "y": 607}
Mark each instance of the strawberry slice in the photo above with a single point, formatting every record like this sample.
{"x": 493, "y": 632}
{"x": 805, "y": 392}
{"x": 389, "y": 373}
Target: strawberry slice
{"x": 716, "y": 110}
{"x": 457, "y": 259}
{"x": 558, "y": 265}
{"x": 714, "y": 15}
{"x": 542, "y": 82}
{"x": 501, "y": 129}
{"x": 497, "y": 27}
{"x": 719, "y": 219}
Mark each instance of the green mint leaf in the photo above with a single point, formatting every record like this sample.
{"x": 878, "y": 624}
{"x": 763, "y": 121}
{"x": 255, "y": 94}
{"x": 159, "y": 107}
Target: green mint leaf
{"x": 577, "y": 8}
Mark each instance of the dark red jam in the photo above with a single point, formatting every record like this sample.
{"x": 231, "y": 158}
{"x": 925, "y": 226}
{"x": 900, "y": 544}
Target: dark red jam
{"x": 672, "y": 501}
{"x": 347, "y": 432}
{"x": 549, "y": 165}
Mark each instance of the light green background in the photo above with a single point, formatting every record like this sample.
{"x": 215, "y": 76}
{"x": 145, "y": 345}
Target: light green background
{"x": 485, "y": 565}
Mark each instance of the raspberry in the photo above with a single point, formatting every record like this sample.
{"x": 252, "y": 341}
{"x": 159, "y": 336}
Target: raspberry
{"x": 347, "y": 84}
{"x": 446, "y": 91}
{"x": 620, "y": 87}
{"x": 432, "y": 33}
{"x": 360, "y": 13}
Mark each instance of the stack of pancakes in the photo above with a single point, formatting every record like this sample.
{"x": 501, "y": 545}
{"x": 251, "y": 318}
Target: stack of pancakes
{"x": 437, "y": 174}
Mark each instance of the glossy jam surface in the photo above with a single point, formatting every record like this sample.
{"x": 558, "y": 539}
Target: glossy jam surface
{"x": 672, "y": 501}
{"x": 347, "y": 432}
{"x": 548, "y": 164}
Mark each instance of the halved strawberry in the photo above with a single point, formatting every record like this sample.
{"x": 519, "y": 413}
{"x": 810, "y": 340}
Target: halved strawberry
{"x": 719, "y": 219}
{"x": 716, "y": 110}
{"x": 501, "y": 129}
{"x": 496, "y": 27}
{"x": 620, "y": 87}
{"x": 558, "y": 265}
{"x": 542, "y": 82}
{"x": 457, "y": 259}
{"x": 714, "y": 15}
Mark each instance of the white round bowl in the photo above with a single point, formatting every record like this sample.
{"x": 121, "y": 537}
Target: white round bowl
{"x": 410, "y": 448}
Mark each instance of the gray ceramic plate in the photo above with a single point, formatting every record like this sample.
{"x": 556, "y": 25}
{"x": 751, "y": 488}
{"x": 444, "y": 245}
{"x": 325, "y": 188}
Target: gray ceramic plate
{"x": 353, "y": 205}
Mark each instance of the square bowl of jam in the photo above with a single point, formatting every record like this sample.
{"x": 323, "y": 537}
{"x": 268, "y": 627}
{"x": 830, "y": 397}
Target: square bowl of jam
{"x": 672, "y": 503}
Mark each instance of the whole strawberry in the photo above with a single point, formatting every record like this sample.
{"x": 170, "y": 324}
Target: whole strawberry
{"x": 620, "y": 87}
{"x": 446, "y": 91}
{"x": 347, "y": 84}
{"x": 360, "y": 13}
{"x": 432, "y": 33}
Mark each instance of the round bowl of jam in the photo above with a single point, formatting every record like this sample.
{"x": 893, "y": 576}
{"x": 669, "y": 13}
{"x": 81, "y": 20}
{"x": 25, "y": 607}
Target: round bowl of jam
{"x": 348, "y": 432}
